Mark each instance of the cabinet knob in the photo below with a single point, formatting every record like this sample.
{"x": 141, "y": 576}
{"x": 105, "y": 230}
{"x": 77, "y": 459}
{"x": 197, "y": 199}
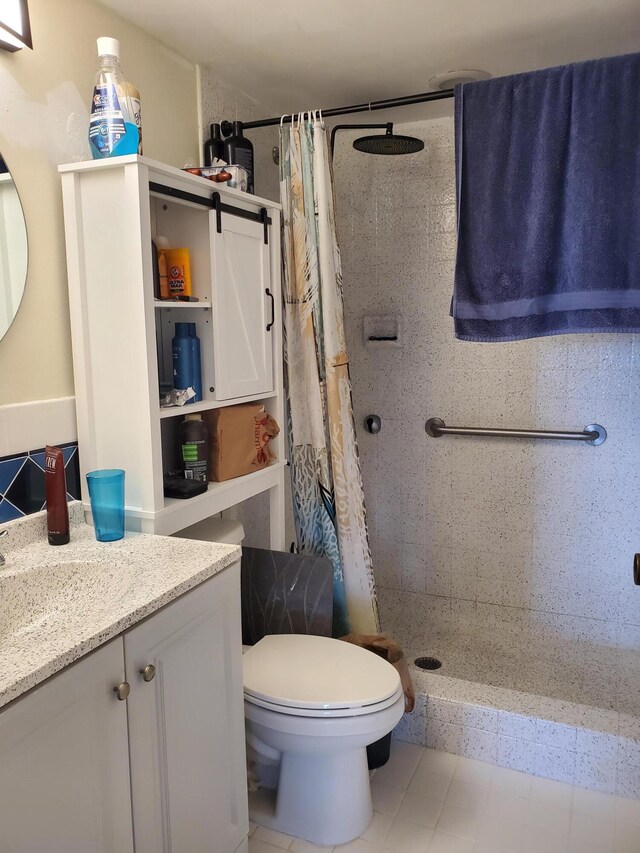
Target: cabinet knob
{"x": 149, "y": 672}
{"x": 122, "y": 690}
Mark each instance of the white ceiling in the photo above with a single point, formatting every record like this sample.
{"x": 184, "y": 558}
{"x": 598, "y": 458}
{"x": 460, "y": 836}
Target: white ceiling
{"x": 298, "y": 54}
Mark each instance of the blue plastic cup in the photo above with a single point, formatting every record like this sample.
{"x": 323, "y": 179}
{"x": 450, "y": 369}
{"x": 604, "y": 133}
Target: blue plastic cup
{"x": 106, "y": 492}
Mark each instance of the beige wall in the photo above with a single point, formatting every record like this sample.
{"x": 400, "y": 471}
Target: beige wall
{"x": 44, "y": 97}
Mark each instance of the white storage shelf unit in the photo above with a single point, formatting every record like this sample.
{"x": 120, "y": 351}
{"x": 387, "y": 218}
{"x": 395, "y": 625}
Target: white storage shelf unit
{"x": 122, "y": 334}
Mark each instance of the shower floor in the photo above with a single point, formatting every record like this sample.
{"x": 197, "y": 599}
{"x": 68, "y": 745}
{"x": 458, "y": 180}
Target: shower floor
{"x": 574, "y": 671}
{"x": 518, "y": 696}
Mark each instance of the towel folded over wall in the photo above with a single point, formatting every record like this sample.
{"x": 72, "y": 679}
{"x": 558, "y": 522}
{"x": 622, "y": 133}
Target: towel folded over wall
{"x": 548, "y": 192}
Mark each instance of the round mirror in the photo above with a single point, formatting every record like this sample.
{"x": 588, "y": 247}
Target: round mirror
{"x": 13, "y": 249}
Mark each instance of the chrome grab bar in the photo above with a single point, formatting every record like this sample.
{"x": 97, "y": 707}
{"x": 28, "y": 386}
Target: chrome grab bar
{"x": 593, "y": 434}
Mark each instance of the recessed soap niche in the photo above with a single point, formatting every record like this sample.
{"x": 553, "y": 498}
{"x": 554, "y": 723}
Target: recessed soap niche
{"x": 383, "y": 331}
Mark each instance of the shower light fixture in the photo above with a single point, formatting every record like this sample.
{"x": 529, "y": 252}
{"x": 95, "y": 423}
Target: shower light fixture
{"x": 15, "y": 27}
{"x": 451, "y": 79}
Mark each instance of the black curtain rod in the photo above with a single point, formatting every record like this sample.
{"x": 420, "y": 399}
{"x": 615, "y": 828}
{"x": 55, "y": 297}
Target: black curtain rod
{"x": 389, "y": 103}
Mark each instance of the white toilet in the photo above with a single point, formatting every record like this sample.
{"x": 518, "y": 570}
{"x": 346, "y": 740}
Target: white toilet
{"x": 312, "y": 706}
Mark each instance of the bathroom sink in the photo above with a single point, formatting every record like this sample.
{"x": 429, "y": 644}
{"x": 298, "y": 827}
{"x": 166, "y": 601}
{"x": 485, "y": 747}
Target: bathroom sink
{"x": 35, "y": 598}
{"x": 57, "y": 604}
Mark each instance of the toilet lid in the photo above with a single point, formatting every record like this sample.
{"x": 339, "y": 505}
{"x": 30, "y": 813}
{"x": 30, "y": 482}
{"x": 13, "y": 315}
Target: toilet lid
{"x": 302, "y": 671}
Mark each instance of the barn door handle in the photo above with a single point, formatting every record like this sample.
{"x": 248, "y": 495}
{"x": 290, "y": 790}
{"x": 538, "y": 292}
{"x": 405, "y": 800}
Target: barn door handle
{"x": 264, "y": 218}
{"x": 273, "y": 309}
{"x": 216, "y": 203}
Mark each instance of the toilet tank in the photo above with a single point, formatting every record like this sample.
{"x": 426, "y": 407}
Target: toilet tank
{"x": 285, "y": 593}
{"x": 214, "y": 529}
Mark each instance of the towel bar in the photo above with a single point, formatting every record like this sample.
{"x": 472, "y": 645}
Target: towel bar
{"x": 593, "y": 434}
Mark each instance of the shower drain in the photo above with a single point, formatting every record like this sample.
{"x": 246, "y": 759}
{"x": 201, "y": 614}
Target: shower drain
{"x": 428, "y": 663}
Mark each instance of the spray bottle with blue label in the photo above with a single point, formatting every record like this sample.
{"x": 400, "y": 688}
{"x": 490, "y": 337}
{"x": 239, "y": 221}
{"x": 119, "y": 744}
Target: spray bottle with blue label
{"x": 112, "y": 126}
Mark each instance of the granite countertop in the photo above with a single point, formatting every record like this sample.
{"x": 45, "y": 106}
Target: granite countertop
{"x": 59, "y": 603}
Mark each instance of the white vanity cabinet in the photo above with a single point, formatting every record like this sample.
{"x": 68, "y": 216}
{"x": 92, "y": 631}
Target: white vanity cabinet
{"x": 82, "y": 771}
{"x": 64, "y": 763}
{"x": 186, "y": 724}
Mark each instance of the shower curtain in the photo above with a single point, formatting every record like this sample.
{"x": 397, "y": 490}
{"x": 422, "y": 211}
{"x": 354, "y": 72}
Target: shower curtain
{"x": 328, "y": 499}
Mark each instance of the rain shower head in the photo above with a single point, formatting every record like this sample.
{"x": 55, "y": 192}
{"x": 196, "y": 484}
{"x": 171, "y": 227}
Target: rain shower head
{"x": 388, "y": 143}
{"x": 381, "y": 143}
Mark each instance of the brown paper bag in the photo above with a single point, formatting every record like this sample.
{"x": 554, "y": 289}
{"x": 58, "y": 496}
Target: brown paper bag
{"x": 239, "y": 439}
{"x": 386, "y": 647}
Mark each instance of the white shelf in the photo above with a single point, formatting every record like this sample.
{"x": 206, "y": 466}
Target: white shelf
{"x": 112, "y": 297}
{"x": 181, "y": 305}
{"x": 163, "y": 171}
{"x": 178, "y": 514}
{"x": 206, "y": 405}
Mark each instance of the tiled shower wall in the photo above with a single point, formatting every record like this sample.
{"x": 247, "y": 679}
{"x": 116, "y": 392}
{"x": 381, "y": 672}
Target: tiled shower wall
{"x": 219, "y": 101}
{"x": 472, "y": 530}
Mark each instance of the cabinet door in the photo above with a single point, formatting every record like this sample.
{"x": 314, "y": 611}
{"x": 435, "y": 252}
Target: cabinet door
{"x": 64, "y": 767}
{"x": 186, "y": 726}
{"x": 242, "y": 308}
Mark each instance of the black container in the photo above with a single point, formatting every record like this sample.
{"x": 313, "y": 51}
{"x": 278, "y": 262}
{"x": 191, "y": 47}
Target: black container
{"x": 214, "y": 146}
{"x": 238, "y": 151}
{"x": 378, "y": 753}
{"x": 156, "y": 270}
{"x": 194, "y": 448}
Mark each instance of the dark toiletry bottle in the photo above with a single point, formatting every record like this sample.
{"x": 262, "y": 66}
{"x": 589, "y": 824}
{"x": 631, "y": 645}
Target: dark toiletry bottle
{"x": 238, "y": 151}
{"x": 56, "y": 493}
{"x": 156, "y": 270}
{"x": 194, "y": 448}
{"x": 214, "y": 146}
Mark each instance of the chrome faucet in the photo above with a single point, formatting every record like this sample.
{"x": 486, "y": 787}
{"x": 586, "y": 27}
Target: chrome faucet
{"x": 2, "y": 559}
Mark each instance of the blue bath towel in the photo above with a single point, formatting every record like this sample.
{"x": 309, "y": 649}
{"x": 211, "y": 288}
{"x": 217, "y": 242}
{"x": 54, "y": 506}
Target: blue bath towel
{"x": 548, "y": 181}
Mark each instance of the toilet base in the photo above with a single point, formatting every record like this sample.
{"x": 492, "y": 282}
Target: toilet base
{"x": 325, "y": 799}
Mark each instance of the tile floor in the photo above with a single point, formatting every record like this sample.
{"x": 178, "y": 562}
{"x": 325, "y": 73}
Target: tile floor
{"x": 582, "y": 745}
{"x": 433, "y": 802}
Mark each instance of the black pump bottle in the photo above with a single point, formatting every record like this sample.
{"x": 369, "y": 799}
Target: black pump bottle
{"x": 238, "y": 151}
{"x": 214, "y": 146}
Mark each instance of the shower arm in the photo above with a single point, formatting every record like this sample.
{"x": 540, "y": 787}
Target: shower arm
{"x": 332, "y": 142}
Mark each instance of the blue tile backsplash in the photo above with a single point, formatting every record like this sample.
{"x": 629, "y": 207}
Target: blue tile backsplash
{"x": 22, "y": 489}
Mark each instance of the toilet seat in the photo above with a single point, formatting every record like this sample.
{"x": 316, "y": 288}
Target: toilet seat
{"x": 309, "y": 676}
{"x": 323, "y": 712}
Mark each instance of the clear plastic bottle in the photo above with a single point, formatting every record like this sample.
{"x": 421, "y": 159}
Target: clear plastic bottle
{"x": 112, "y": 126}
{"x": 136, "y": 106}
